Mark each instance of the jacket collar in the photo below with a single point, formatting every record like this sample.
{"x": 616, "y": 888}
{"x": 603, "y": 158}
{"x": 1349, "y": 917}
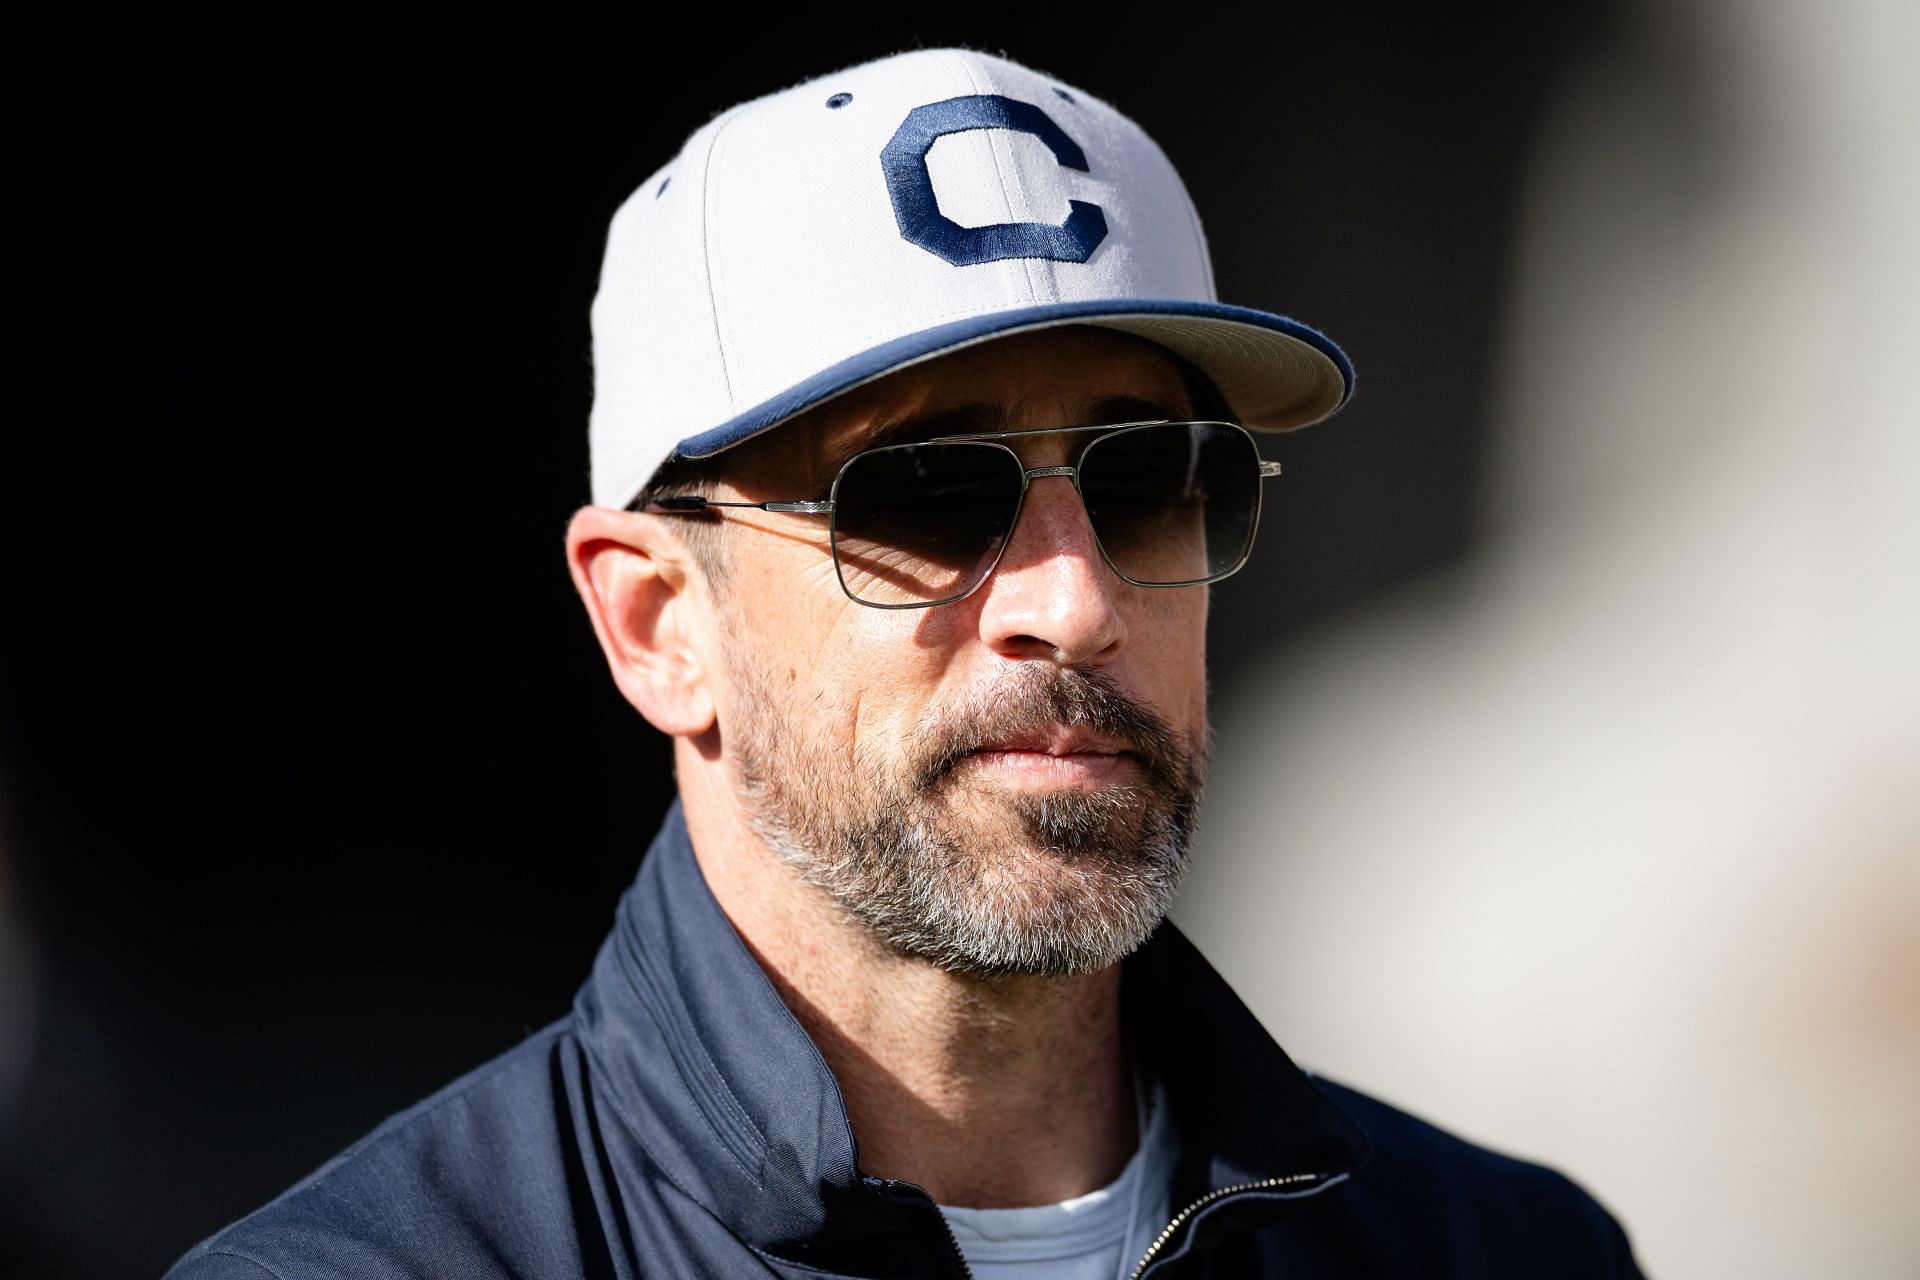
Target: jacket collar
{"x": 711, "y": 1074}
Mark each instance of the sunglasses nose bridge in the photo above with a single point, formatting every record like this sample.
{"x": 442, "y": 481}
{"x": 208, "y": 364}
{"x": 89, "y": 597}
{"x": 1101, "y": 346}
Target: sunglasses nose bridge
{"x": 1071, "y": 473}
{"x": 1024, "y": 514}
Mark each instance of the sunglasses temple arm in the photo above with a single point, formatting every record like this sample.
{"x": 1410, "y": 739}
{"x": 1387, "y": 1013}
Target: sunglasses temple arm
{"x": 689, "y": 503}
{"x": 1268, "y": 470}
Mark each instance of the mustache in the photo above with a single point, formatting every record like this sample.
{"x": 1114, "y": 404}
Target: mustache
{"x": 1036, "y": 699}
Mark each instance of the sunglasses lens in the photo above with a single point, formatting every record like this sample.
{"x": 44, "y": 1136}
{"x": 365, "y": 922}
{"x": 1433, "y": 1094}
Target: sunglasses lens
{"x": 920, "y": 524}
{"x": 1173, "y": 503}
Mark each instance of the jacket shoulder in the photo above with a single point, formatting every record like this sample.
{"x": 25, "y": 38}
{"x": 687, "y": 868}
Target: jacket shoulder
{"x": 419, "y": 1194}
{"x": 1445, "y": 1199}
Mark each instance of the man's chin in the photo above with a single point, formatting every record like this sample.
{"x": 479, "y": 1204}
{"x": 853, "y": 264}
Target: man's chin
{"x": 994, "y": 882}
{"x": 1116, "y": 824}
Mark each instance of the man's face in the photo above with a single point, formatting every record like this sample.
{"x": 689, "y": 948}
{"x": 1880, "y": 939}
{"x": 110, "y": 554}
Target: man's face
{"x": 1005, "y": 784}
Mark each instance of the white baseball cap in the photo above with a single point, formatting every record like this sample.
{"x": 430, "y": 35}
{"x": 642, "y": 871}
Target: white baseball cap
{"x": 813, "y": 240}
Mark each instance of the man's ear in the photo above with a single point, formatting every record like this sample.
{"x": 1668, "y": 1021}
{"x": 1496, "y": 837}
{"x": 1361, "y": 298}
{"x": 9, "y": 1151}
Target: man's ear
{"x": 647, "y": 609}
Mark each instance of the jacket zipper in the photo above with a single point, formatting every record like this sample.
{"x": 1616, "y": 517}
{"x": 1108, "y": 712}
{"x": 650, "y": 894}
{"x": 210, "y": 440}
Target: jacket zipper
{"x": 915, "y": 1191}
{"x": 1166, "y": 1233}
{"x": 954, "y": 1240}
{"x": 1179, "y": 1219}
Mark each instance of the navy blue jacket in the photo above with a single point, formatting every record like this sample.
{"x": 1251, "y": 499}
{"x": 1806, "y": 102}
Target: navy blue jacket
{"x": 681, "y": 1123}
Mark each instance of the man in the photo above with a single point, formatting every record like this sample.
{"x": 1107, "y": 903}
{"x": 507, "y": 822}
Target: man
{"x": 916, "y": 441}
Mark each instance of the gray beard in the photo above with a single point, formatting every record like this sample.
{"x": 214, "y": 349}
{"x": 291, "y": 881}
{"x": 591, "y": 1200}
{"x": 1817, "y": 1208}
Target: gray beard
{"x": 1051, "y": 883}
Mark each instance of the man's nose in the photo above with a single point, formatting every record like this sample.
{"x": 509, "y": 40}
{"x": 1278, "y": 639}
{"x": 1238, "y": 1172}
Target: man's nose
{"x": 1052, "y": 596}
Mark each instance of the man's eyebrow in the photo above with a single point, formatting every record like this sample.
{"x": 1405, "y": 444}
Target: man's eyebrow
{"x": 985, "y": 419}
{"x": 960, "y": 420}
{"x": 1118, "y": 409}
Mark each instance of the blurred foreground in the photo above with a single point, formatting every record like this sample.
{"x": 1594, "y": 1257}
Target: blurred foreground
{"x": 1604, "y": 847}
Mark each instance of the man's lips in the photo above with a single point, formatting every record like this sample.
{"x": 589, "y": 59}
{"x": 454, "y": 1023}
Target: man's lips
{"x": 1057, "y": 756}
{"x": 1056, "y": 740}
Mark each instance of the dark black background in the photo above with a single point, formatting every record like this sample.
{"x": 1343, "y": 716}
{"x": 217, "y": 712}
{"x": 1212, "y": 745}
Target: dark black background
{"x": 315, "y": 790}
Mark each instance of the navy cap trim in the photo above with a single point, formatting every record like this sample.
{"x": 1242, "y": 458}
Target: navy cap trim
{"x": 890, "y": 355}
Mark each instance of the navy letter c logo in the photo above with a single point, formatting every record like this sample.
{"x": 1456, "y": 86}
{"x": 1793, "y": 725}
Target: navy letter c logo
{"x": 917, "y": 209}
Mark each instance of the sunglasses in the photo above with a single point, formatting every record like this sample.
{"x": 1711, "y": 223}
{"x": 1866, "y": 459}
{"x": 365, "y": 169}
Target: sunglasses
{"x": 1172, "y": 504}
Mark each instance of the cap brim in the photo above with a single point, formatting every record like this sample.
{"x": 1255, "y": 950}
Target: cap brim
{"x": 1277, "y": 373}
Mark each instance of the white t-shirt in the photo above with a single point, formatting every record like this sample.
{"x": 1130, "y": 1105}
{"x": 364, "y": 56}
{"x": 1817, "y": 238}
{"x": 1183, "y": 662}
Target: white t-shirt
{"x": 1097, "y": 1236}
